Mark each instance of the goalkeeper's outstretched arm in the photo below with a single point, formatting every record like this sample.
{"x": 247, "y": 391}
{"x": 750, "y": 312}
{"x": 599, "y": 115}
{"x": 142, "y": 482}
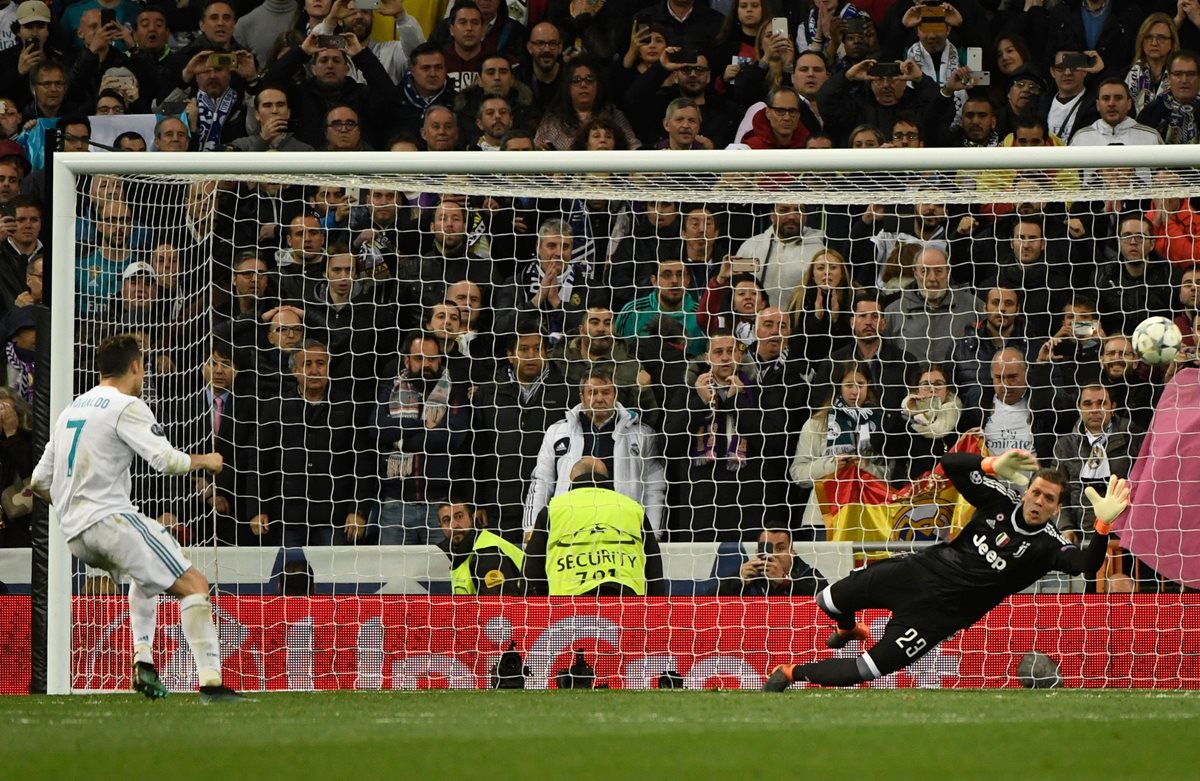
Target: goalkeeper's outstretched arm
{"x": 1108, "y": 507}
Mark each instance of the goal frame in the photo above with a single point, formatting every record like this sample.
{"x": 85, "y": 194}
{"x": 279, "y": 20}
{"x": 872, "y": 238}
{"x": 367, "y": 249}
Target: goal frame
{"x": 67, "y": 167}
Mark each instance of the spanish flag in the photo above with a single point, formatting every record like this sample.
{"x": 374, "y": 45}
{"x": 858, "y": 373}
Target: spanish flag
{"x": 859, "y": 507}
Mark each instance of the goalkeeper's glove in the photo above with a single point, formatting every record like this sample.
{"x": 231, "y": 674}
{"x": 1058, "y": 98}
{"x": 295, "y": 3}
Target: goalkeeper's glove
{"x": 1011, "y": 465}
{"x": 1111, "y": 505}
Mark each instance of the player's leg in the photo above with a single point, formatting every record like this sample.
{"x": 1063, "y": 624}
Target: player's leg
{"x": 143, "y": 615}
{"x": 901, "y": 645}
{"x": 876, "y": 585}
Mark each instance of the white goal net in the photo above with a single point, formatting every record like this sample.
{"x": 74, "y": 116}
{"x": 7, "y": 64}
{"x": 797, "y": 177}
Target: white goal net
{"x": 769, "y": 352}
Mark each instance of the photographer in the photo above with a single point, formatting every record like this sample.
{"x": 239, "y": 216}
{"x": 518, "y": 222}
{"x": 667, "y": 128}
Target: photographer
{"x": 775, "y": 571}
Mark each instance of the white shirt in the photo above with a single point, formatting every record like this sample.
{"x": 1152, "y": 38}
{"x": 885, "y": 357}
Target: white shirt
{"x": 1095, "y": 466}
{"x": 1061, "y": 117}
{"x": 86, "y": 462}
{"x": 1008, "y": 428}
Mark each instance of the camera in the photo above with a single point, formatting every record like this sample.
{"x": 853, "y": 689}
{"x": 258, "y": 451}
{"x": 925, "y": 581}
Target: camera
{"x": 887, "y": 70}
{"x": 1077, "y": 61}
{"x": 1083, "y": 329}
{"x": 510, "y": 671}
{"x": 331, "y": 42}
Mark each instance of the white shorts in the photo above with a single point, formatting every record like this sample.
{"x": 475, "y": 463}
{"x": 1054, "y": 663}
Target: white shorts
{"x": 133, "y": 545}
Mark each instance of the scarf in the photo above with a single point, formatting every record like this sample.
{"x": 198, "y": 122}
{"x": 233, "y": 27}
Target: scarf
{"x": 1181, "y": 121}
{"x": 718, "y": 437}
{"x": 212, "y": 117}
{"x": 414, "y": 97}
{"x": 1143, "y": 87}
{"x": 940, "y": 74}
{"x": 847, "y": 427}
{"x": 20, "y": 370}
{"x": 412, "y": 397}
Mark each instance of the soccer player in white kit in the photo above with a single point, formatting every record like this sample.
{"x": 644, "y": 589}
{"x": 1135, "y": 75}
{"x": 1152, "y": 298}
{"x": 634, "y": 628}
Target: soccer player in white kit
{"x": 84, "y": 473}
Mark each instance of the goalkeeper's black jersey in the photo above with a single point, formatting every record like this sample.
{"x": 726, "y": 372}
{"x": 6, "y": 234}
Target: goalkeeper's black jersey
{"x": 996, "y": 554}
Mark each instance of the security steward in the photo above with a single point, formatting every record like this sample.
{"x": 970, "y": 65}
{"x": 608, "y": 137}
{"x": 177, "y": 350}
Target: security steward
{"x": 592, "y": 540}
{"x": 481, "y": 562}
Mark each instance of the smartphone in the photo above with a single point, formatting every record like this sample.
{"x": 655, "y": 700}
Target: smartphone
{"x": 741, "y": 60}
{"x": 1077, "y": 61}
{"x": 1083, "y": 329}
{"x": 888, "y": 70}
{"x": 366, "y": 5}
{"x": 108, "y": 16}
{"x": 933, "y": 18}
{"x": 331, "y": 42}
{"x": 33, "y": 44}
{"x": 974, "y": 58}
{"x": 685, "y": 56}
{"x": 222, "y": 60}
{"x": 779, "y": 26}
{"x": 856, "y": 25}
{"x": 172, "y": 109}
{"x": 766, "y": 548}
{"x": 743, "y": 265}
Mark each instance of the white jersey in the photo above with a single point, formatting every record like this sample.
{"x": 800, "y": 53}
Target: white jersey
{"x": 86, "y": 462}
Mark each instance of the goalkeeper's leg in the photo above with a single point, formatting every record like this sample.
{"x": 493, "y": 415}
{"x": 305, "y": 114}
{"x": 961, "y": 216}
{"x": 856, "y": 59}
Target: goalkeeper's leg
{"x": 901, "y": 645}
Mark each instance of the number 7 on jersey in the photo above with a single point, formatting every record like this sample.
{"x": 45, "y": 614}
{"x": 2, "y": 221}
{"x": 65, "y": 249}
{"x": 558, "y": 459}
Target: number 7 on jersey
{"x": 77, "y": 425}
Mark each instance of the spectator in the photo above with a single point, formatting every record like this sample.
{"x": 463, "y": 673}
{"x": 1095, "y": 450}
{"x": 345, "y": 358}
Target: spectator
{"x": 1101, "y": 444}
{"x": 494, "y": 119}
{"x": 343, "y": 131}
{"x": 821, "y": 306}
{"x": 1002, "y": 326}
{"x": 779, "y": 126}
{"x": 171, "y": 135}
{"x": 99, "y": 56}
{"x": 1115, "y": 126}
{"x": 1173, "y": 114}
{"x": 883, "y": 362}
{"x": 150, "y": 55}
{"x": 545, "y": 56}
{"x": 496, "y": 79}
{"x": 110, "y": 102}
{"x": 448, "y": 251}
{"x": 222, "y": 114}
{"x": 425, "y": 85}
{"x": 1025, "y": 267}
{"x": 1020, "y": 99}
{"x": 98, "y": 272}
{"x": 671, "y": 298}
{"x": 846, "y": 105}
{"x": 330, "y": 85}
{"x": 687, "y": 23}
{"x": 1146, "y": 78}
{"x": 261, "y": 27}
{"x": 1189, "y": 303}
{"x": 49, "y": 82}
{"x": 1137, "y": 284}
{"x": 783, "y": 251}
{"x": 907, "y": 133}
{"x": 704, "y": 247}
{"x": 20, "y": 346}
{"x": 424, "y": 425}
{"x": 549, "y": 285}
{"x": 273, "y": 115}
{"x": 1103, "y": 28}
{"x": 682, "y": 123}
{"x": 595, "y": 345}
{"x": 775, "y": 571}
{"x": 481, "y": 563}
{"x": 1019, "y": 410}
{"x": 359, "y": 21}
{"x": 887, "y": 261}
{"x": 692, "y": 81}
{"x": 130, "y": 141}
{"x": 136, "y": 306}
{"x": 32, "y": 294}
{"x": 978, "y": 126}
{"x": 839, "y": 434}
{"x": 736, "y": 49}
{"x": 500, "y": 32}
{"x": 1120, "y": 371}
{"x": 464, "y": 51}
{"x": 439, "y": 129}
{"x": 20, "y": 246}
{"x": 30, "y": 24}
{"x": 218, "y": 20}
{"x": 602, "y": 428}
{"x": 309, "y": 477}
{"x": 929, "y": 422}
{"x": 252, "y": 297}
{"x": 513, "y": 411}
{"x": 779, "y": 379}
{"x": 1073, "y": 106}
{"x": 589, "y": 521}
{"x": 582, "y": 95}
{"x": 10, "y": 116}
{"x": 476, "y": 339}
{"x": 723, "y": 433}
{"x": 301, "y": 266}
{"x": 16, "y": 442}
{"x": 1074, "y": 348}
{"x": 268, "y": 366}
{"x": 928, "y": 320}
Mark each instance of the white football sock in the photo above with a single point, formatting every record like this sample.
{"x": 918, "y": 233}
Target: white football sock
{"x": 195, "y": 614}
{"x": 143, "y": 615}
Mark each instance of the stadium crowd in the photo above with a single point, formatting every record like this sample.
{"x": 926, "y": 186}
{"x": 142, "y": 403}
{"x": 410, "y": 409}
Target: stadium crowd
{"x": 358, "y": 353}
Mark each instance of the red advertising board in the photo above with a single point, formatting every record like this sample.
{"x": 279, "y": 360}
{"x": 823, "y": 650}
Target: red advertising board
{"x": 399, "y": 642}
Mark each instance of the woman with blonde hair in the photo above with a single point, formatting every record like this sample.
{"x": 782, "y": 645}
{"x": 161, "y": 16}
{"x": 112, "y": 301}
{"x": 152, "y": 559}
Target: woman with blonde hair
{"x": 820, "y": 307}
{"x": 1156, "y": 39}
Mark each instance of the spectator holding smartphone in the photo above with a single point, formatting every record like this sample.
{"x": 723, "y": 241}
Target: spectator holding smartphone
{"x": 774, "y": 571}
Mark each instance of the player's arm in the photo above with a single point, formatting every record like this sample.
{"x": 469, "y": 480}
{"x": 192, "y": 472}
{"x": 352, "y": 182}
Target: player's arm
{"x": 981, "y": 480}
{"x": 137, "y": 428}
{"x": 495, "y": 574}
{"x": 1074, "y": 561}
{"x": 43, "y": 473}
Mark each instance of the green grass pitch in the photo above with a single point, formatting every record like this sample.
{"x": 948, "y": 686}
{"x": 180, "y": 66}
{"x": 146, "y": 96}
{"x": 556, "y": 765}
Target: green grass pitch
{"x": 858, "y": 734}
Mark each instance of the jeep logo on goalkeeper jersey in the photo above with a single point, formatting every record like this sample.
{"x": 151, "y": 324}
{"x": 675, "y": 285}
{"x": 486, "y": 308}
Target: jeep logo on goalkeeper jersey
{"x": 988, "y": 554}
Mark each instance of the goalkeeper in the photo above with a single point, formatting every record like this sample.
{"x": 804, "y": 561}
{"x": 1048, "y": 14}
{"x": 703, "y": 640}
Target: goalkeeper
{"x": 1009, "y": 543}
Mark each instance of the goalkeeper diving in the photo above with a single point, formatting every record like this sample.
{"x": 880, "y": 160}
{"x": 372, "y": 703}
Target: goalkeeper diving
{"x": 84, "y": 473}
{"x": 1009, "y": 543}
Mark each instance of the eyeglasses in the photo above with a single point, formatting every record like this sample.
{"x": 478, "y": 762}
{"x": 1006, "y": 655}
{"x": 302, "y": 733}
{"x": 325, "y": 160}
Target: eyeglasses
{"x": 935, "y": 384}
{"x": 1185, "y": 74}
{"x": 1157, "y": 38}
{"x": 787, "y": 112}
{"x": 291, "y": 329}
{"x": 251, "y": 272}
{"x": 911, "y": 135}
{"x": 1132, "y": 236}
{"x": 545, "y": 44}
{"x": 344, "y": 124}
{"x": 1028, "y": 86}
{"x": 61, "y": 84}
{"x": 692, "y": 70}
{"x": 583, "y": 79}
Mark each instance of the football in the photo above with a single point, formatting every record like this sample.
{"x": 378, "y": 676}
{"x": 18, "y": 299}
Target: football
{"x": 1157, "y": 340}
{"x": 1039, "y": 671}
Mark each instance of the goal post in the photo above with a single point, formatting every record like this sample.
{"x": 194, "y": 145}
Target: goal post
{"x": 816, "y": 178}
